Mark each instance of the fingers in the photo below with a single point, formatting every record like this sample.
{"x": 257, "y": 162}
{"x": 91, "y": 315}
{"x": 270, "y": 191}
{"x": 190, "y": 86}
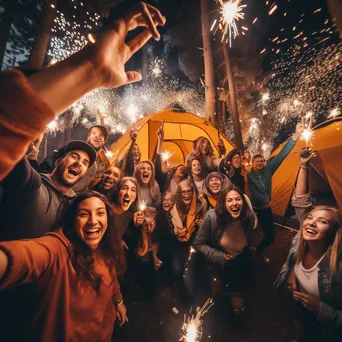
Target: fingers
{"x": 139, "y": 41}
{"x": 132, "y": 77}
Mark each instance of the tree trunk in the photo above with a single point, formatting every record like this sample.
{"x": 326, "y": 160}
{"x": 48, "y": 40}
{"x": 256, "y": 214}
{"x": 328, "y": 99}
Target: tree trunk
{"x": 209, "y": 64}
{"x": 5, "y": 27}
{"x": 335, "y": 8}
{"x": 232, "y": 96}
{"x": 38, "y": 52}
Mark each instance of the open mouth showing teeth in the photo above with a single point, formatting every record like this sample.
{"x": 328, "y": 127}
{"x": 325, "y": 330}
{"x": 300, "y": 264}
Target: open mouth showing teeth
{"x": 109, "y": 181}
{"x": 126, "y": 201}
{"x": 92, "y": 233}
{"x": 310, "y": 231}
{"x": 74, "y": 172}
{"x": 235, "y": 210}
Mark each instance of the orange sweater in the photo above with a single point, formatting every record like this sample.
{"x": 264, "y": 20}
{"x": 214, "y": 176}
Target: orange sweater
{"x": 64, "y": 310}
{"x": 23, "y": 117}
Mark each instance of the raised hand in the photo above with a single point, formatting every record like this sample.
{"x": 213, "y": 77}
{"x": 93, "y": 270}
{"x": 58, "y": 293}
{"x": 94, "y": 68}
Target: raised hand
{"x": 110, "y": 52}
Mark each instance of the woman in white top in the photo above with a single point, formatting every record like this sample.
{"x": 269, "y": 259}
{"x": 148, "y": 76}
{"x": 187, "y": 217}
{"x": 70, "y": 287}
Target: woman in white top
{"x": 314, "y": 266}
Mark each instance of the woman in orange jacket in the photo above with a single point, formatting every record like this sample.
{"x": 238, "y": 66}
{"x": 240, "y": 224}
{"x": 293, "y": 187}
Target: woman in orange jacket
{"x": 75, "y": 292}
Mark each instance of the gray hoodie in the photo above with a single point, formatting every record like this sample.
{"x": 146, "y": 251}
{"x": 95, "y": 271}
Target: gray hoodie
{"x": 32, "y": 205}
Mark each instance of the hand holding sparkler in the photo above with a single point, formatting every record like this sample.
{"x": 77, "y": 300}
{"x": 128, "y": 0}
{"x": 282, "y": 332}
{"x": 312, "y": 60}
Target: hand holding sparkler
{"x": 305, "y": 155}
{"x": 220, "y": 147}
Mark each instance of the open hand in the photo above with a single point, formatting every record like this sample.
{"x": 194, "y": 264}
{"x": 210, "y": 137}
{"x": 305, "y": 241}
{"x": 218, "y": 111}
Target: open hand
{"x": 110, "y": 52}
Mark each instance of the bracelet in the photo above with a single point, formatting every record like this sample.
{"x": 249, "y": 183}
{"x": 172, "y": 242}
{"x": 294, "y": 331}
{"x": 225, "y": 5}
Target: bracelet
{"x": 304, "y": 168}
{"x": 119, "y": 302}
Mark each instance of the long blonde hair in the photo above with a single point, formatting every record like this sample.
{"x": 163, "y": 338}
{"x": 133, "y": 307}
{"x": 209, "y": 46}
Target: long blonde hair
{"x": 334, "y": 249}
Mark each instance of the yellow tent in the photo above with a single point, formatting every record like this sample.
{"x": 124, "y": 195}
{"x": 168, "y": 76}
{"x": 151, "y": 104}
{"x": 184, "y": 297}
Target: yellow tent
{"x": 181, "y": 129}
{"x": 325, "y": 168}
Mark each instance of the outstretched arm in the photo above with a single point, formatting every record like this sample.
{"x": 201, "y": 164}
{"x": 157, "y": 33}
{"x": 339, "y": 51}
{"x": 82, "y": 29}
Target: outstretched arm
{"x": 279, "y": 158}
{"x": 101, "y": 64}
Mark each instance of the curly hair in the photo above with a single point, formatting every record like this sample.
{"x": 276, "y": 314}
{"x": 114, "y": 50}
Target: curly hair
{"x": 82, "y": 257}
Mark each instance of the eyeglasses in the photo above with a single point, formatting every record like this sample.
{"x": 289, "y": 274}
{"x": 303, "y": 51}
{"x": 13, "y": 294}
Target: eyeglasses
{"x": 185, "y": 192}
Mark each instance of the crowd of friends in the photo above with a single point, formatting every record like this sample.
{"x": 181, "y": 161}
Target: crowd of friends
{"x": 76, "y": 226}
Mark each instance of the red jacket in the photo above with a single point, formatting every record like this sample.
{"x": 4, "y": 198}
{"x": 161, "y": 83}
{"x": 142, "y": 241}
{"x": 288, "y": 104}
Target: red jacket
{"x": 64, "y": 310}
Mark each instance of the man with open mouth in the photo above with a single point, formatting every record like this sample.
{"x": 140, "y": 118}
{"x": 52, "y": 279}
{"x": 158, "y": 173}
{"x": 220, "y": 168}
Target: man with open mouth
{"x": 42, "y": 199}
{"x": 109, "y": 181}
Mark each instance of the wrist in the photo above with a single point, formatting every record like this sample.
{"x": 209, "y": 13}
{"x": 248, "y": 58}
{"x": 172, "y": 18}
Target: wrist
{"x": 304, "y": 167}
{"x": 119, "y": 302}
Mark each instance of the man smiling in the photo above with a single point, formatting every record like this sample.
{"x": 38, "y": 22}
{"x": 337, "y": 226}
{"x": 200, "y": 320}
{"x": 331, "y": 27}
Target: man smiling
{"x": 41, "y": 199}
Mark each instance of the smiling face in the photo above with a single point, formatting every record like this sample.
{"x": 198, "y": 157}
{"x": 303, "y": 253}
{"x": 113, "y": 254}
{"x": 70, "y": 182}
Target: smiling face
{"x": 196, "y": 167}
{"x": 168, "y": 201}
{"x": 186, "y": 194}
{"x": 91, "y": 221}
{"x": 180, "y": 171}
{"x": 127, "y": 195}
{"x": 317, "y": 225}
{"x": 145, "y": 172}
{"x": 205, "y": 147}
{"x": 258, "y": 163}
{"x": 96, "y": 138}
{"x": 215, "y": 185}
{"x": 236, "y": 161}
{"x": 111, "y": 178}
{"x": 234, "y": 204}
{"x": 72, "y": 167}
{"x": 136, "y": 152}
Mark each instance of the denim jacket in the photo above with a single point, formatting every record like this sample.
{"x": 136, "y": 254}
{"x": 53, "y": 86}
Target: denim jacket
{"x": 209, "y": 235}
{"x": 330, "y": 289}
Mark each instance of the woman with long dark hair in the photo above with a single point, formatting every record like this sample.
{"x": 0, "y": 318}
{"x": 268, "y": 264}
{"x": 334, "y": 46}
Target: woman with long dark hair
{"x": 313, "y": 270}
{"x": 224, "y": 238}
{"x": 74, "y": 275}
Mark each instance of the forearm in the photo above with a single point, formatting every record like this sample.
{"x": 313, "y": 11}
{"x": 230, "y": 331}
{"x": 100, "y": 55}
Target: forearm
{"x": 70, "y": 79}
{"x": 159, "y": 146}
{"x": 302, "y": 186}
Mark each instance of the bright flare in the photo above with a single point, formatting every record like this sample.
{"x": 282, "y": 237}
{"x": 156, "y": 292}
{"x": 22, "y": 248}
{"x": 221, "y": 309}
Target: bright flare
{"x": 334, "y": 112}
{"x": 142, "y": 206}
{"x": 231, "y": 12}
{"x": 166, "y": 155}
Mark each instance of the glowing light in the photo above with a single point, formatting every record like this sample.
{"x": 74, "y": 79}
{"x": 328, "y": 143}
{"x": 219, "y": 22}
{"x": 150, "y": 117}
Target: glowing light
{"x": 166, "y": 155}
{"x": 334, "y": 112}
{"x": 308, "y": 115}
{"x": 192, "y": 250}
{"x": 142, "y": 206}
{"x": 91, "y": 38}
{"x": 272, "y": 10}
{"x": 265, "y": 97}
{"x": 231, "y": 12}
{"x": 52, "y": 126}
{"x": 109, "y": 154}
{"x": 132, "y": 111}
{"x": 255, "y": 20}
{"x": 192, "y": 326}
{"x": 307, "y": 135}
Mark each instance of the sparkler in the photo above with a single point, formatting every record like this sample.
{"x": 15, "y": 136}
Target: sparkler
{"x": 109, "y": 154}
{"x": 334, "y": 113}
{"x": 166, "y": 155}
{"x": 192, "y": 250}
{"x": 231, "y": 12}
{"x": 192, "y": 326}
{"x": 142, "y": 206}
{"x": 52, "y": 127}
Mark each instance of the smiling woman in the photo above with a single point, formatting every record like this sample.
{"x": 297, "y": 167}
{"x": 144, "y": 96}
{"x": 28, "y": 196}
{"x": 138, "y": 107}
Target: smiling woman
{"x": 224, "y": 238}
{"x": 313, "y": 269}
{"x": 83, "y": 259}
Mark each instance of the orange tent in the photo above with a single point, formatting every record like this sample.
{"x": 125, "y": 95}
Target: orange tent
{"x": 181, "y": 129}
{"x": 325, "y": 179}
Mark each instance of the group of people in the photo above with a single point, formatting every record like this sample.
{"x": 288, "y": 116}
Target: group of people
{"x": 76, "y": 226}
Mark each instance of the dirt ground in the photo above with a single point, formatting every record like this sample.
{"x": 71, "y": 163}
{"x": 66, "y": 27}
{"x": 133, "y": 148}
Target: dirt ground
{"x": 268, "y": 319}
